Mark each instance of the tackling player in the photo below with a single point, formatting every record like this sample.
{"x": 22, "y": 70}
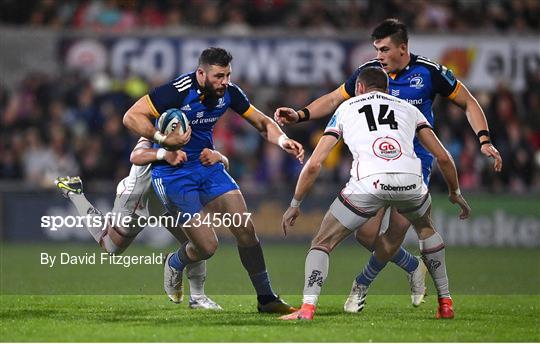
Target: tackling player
{"x": 385, "y": 172}
{"x": 135, "y": 198}
{"x": 204, "y": 96}
{"x": 416, "y": 80}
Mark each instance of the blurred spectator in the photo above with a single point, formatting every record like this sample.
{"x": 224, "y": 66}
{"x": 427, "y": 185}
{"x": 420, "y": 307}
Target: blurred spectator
{"x": 68, "y": 124}
{"x": 48, "y": 131}
{"x": 239, "y": 16}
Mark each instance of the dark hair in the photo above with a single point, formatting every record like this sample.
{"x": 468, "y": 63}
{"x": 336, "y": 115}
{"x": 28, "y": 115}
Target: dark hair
{"x": 393, "y": 28}
{"x": 373, "y": 77}
{"x": 215, "y": 56}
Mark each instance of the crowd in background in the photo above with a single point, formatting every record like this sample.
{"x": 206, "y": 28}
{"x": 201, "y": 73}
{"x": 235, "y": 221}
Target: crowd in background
{"x": 241, "y": 17}
{"x": 69, "y": 125}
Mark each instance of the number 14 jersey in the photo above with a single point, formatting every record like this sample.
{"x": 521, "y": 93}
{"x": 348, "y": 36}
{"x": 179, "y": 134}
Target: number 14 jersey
{"x": 379, "y": 130}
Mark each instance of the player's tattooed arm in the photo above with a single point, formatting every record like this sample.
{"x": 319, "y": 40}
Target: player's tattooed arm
{"x": 447, "y": 167}
{"x": 319, "y": 108}
{"x": 307, "y": 177}
{"x": 273, "y": 134}
{"x": 138, "y": 118}
{"x": 477, "y": 119}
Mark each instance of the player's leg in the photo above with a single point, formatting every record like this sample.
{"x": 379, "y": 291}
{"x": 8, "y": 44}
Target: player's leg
{"x": 178, "y": 192}
{"x": 112, "y": 239}
{"x": 201, "y": 245}
{"x": 433, "y": 253}
{"x": 72, "y": 189}
{"x": 389, "y": 243}
{"x": 249, "y": 248}
{"x": 338, "y": 223}
{"x": 196, "y": 274}
{"x": 388, "y": 247}
{"x": 330, "y": 234}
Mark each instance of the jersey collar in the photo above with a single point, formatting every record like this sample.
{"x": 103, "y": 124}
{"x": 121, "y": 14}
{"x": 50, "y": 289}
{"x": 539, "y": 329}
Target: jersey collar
{"x": 412, "y": 60}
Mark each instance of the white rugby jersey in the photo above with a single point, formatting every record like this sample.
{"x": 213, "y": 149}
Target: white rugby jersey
{"x": 379, "y": 130}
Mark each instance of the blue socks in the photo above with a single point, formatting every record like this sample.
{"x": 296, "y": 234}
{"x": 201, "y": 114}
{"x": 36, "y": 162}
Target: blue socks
{"x": 180, "y": 259}
{"x": 405, "y": 260}
{"x": 252, "y": 259}
{"x": 175, "y": 263}
{"x": 371, "y": 270}
{"x": 261, "y": 283}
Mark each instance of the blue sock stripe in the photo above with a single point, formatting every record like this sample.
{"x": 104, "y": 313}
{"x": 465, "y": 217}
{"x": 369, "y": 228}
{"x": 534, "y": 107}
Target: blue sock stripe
{"x": 370, "y": 272}
{"x": 405, "y": 260}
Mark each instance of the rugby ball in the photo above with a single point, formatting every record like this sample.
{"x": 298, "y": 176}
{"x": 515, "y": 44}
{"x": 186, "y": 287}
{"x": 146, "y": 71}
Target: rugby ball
{"x": 172, "y": 118}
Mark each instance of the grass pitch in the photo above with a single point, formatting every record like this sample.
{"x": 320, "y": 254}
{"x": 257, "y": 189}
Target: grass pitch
{"x": 152, "y": 318}
{"x": 496, "y": 295}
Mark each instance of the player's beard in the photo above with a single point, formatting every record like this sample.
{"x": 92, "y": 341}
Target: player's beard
{"x": 210, "y": 92}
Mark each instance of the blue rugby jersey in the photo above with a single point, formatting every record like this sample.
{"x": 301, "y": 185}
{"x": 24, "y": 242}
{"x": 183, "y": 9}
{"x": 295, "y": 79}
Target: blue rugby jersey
{"x": 418, "y": 83}
{"x": 184, "y": 93}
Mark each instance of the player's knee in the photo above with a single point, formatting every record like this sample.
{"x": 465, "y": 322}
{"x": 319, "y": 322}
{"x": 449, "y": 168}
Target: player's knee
{"x": 207, "y": 250}
{"x": 246, "y": 236}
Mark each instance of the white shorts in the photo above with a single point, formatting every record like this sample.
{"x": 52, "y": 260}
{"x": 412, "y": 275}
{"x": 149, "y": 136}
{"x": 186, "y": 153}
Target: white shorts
{"x": 135, "y": 197}
{"x": 361, "y": 199}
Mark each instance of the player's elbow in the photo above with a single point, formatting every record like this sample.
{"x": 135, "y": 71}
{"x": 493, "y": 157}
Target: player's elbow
{"x": 444, "y": 158}
{"x": 313, "y": 166}
{"x": 135, "y": 158}
{"x": 127, "y": 120}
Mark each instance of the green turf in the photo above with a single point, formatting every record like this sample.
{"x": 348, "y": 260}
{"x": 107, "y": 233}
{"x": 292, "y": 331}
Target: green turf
{"x": 472, "y": 271}
{"x": 496, "y": 292}
{"x": 151, "y": 318}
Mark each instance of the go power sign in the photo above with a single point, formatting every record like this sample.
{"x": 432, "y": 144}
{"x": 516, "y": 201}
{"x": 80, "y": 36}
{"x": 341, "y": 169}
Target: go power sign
{"x": 261, "y": 61}
{"x": 481, "y": 63}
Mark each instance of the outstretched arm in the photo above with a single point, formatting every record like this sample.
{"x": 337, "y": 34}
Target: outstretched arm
{"x": 307, "y": 177}
{"x": 272, "y": 133}
{"x": 448, "y": 169}
{"x": 319, "y": 108}
{"x": 475, "y": 115}
{"x": 144, "y": 154}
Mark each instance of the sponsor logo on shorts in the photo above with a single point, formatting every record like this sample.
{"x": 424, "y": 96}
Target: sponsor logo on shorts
{"x": 387, "y": 148}
{"x": 387, "y": 187}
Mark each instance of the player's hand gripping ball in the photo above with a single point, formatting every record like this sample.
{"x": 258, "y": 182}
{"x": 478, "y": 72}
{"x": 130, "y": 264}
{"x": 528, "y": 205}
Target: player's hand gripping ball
{"x": 175, "y": 125}
{"x": 171, "y": 119}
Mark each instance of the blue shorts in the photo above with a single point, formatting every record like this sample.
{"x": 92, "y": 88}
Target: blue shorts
{"x": 187, "y": 189}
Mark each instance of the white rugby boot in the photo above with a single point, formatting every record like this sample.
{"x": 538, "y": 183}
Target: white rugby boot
{"x": 417, "y": 282}
{"x": 357, "y": 298}
{"x": 203, "y": 302}
{"x": 172, "y": 281}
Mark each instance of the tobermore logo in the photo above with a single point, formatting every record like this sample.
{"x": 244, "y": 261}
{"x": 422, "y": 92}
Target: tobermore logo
{"x": 387, "y": 187}
{"x": 387, "y": 148}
